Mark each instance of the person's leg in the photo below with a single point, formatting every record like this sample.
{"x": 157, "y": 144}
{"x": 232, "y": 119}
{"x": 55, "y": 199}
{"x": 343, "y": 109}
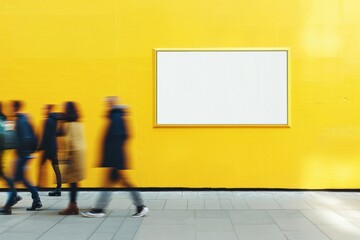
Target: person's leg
{"x": 141, "y": 209}
{"x": 28, "y": 185}
{"x": 55, "y": 165}
{"x": 19, "y": 176}
{"x": 101, "y": 203}
{"x": 73, "y": 192}
{"x": 12, "y": 200}
{"x": 72, "y": 208}
{"x": 56, "y": 168}
{"x": 135, "y": 195}
{"x": 41, "y": 166}
{"x": 19, "y": 168}
{"x": 13, "y": 196}
{"x": 7, "y": 180}
{"x": 6, "y": 210}
{"x": 103, "y": 200}
{"x": 34, "y": 193}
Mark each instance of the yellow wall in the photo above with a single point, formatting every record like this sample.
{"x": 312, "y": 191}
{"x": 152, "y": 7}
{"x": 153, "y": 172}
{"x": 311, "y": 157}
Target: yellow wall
{"x": 83, "y": 50}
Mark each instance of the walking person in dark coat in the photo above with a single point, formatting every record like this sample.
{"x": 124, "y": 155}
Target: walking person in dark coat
{"x": 27, "y": 144}
{"x": 13, "y": 197}
{"x": 113, "y": 157}
{"x": 49, "y": 147}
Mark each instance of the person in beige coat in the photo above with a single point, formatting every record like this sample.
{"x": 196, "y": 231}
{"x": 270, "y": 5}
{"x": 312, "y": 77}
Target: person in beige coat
{"x": 74, "y": 154}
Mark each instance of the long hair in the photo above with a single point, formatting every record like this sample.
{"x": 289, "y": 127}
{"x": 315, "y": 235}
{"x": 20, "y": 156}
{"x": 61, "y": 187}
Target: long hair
{"x": 49, "y": 107}
{"x": 71, "y": 112}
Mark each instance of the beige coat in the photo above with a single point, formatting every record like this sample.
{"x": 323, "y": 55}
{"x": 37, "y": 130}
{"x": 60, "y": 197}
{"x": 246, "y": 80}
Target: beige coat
{"x": 73, "y": 158}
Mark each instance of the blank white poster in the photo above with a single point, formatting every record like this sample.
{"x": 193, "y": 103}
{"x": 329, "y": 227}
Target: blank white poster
{"x": 240, "y": 87}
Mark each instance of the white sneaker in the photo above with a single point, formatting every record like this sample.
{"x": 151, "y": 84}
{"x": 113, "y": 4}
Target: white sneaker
{"x": 93, "y": 214}
{"x": 141, "y": 213}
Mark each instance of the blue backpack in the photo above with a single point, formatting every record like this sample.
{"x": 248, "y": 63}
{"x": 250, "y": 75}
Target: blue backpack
{"x": 8, "y": 137}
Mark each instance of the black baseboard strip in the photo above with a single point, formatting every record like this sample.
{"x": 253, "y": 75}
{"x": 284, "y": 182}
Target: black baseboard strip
{"x": 177, "y": 189}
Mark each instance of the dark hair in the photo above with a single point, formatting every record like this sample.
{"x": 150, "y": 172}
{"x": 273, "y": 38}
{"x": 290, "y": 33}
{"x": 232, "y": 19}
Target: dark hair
{"x": 49, "y": 107}
{"x": 17, "y": 105}
{"x": 71, "y": 112}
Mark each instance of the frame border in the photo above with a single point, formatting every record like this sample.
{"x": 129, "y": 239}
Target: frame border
{"x": 157, "y": 125}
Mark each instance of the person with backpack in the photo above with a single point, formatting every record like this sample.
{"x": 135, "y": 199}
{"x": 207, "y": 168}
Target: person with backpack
{"x": 27, "y": 144}
{"x": 13, "y": 197}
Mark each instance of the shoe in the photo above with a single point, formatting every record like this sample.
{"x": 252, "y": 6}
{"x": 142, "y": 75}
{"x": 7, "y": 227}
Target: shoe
{"x": 140, "y": 212}
{"x": 17, "y": 199}
{"x": 72, "y": 209}
{"x": 94, "y": 213}
{"x": 34, "y": 206}
{"x": 55, "y": 192}
{"x": 5, "y": 211}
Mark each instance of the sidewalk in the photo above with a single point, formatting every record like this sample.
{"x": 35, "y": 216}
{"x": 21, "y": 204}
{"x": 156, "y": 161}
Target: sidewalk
{"x": 193, "y": 215}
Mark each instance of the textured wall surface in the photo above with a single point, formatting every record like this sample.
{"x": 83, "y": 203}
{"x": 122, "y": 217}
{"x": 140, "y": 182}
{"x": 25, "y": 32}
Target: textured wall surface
{"x": 53, "y": 51}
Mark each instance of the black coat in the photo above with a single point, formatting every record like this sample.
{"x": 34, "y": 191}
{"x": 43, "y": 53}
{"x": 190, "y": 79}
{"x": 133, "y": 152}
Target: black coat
{"x": 27, "y": 142}
{"x": 48, "y": 142}
{"x": 113, "y": 154}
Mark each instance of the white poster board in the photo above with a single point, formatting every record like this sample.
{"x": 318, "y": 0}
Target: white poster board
{"x": 221, "y": 87}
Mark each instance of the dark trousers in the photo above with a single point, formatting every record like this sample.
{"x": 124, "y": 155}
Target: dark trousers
{"x": 20, "y": 176}
{"x": 9, "y": 182}
{"x": 55, "y": 166}
{"x": 73, "y": 192}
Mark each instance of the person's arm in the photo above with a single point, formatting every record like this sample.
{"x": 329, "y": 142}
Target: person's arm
{"x": 60, "y": 131}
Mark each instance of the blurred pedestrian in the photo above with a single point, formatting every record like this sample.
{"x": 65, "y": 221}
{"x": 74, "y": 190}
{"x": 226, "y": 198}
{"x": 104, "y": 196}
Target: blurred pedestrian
{"x": 49, "y": 147}
{"x": 27, "y": 144}
{"x": 113, "y": 157}
{"x": 13, "y": 197}
{"x": 74, "y": 170}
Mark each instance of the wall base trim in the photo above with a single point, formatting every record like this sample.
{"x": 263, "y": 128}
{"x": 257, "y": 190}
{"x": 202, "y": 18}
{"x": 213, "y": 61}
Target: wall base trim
{"x": 177, "y": 189}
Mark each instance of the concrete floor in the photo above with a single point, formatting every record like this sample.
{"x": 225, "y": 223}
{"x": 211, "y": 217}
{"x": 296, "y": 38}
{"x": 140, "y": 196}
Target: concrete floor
{"x": 211, "y": 215}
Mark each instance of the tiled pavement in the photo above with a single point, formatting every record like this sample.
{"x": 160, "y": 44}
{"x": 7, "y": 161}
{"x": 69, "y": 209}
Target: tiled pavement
{"x": 228, "y": 215}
